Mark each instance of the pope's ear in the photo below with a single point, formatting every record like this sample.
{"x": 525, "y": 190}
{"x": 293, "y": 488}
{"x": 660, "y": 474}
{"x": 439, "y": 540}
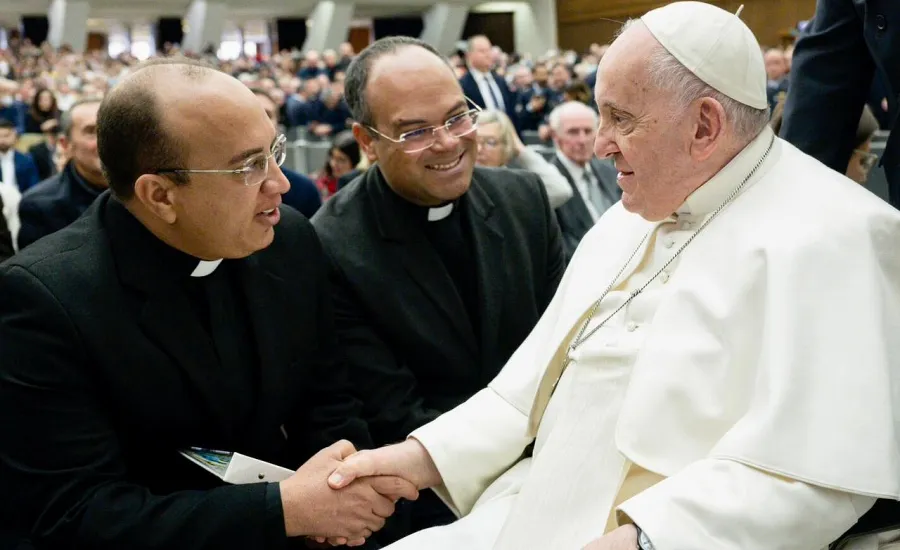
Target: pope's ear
{"x": 157, "y": 194}
{"x": 709, "y": 128}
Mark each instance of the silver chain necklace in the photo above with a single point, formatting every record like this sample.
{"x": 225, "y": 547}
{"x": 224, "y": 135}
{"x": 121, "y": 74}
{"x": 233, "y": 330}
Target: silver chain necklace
{"x": 581, "y": 338}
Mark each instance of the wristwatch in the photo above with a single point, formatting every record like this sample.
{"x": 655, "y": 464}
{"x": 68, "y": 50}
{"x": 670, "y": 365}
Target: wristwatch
{"x": 643, "y": 540}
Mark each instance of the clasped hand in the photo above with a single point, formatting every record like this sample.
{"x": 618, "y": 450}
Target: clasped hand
{"x": 346, "y": 515}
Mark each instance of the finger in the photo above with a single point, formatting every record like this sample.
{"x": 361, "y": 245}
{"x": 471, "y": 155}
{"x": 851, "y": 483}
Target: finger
{"x": 395, "y": 487}
{"x": 341, "y": 449}
{"x": 375, "y": 522}
{"x": 359, "y": 465}
{"x": 356, "y": 542}
{"x": 320, "y": 540}
{"x": 382, "y": 507}
{"x": 339, "y": 541}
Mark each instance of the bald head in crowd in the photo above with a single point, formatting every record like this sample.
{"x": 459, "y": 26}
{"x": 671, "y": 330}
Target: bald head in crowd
{"x": 175, "y": 140}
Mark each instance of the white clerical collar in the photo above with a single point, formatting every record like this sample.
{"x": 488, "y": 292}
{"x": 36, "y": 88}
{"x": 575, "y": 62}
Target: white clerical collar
{"x": 713, "y": 193}
{"x": 438, "y": 213}
{"x": 205, "y": 268}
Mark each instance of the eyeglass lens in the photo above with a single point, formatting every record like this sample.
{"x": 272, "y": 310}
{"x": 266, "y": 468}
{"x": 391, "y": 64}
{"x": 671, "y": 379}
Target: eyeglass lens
{"x": 458, "y": 126}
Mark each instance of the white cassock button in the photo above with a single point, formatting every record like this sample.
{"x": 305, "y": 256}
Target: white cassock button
{"x": 631, "y": 326}
{"x": 664, "y": 277}
{"x": 669, "y": 242}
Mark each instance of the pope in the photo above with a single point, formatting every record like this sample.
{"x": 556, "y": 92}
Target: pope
{"x": 718, "y": 368}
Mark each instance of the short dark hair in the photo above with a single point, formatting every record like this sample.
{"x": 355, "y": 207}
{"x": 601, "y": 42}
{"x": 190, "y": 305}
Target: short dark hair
{"x": 6, "y": 124}
{"x": 65, "y": 120}
{"x": 131, "y": 137}
{"x": 358, "y": 72}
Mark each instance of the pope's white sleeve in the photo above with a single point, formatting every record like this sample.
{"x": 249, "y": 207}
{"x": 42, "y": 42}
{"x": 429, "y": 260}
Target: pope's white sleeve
{"x": 726, "y": 505}
{"x": 472, "y": 445}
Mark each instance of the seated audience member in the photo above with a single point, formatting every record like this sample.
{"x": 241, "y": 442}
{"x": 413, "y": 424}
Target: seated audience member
{"x": 55, "y": 203}
{"x": 303, "y": 194}
{"x": 343, "y": 157}
{"x": 184, "y": 309}
{"x": 43, "y": 108}
{"x": 863, "y": 159}
{"x": 593, "y": 181}
{"x": 332, "y": 115}
{"x": 578, "y": 91}
{"x": 18, "y": 173}
{"x": 499, "y": 145}
{"x": 439, "y": 268}
{"x": 44, "y": 154}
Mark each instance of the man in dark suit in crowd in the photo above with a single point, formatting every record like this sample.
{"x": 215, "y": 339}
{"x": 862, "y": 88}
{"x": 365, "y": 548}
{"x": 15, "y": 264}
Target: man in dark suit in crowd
{"x": 6, "y": 251}
{"x": 573, "y": 126}
{"x": 15, "y": 167}
{"x": 184, "y": 309}
{"x": 481, "y": 84}
{"x": 440, "y": 270}
{"x": 55, "y": 203}
{"x": 834, "y": 63}
{"x": 43, "y": 153}
{"x": 303, "y": 194}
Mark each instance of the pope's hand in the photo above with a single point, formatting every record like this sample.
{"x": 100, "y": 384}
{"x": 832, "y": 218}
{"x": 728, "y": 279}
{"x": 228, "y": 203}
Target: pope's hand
{"x": 622, "y": 538}
{"x": 408, "y": 460}
{"x": 313, "y": 509}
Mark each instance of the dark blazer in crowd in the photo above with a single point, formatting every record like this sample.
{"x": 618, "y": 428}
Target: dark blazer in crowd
{"x": 403, "y": 323}
{"x": 109, "y": 369}
{"x": 15, "y": 113}
{"x": 6, "y": 251}
{"x": 336, "y": 117}
{"x": 532, "y": 120}
{"x": 54, "y": 204}
{"x": 473, "y": 92}
{"x": 574, "y": 217}
{"x": 300, "y": 113}
{"x": 303, "y": 194}
{"x": 834, "y": 62}
{"x": 43, "y": 160}
{"x": 26, "y": 171}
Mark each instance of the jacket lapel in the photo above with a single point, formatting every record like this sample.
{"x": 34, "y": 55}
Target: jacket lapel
{"x": 605, "y": 175}
{"x": 264, "y": 293}
{"x": 579, "y": 213}
{"x": 411, "y": 249}
{"x": 487, "y": 241}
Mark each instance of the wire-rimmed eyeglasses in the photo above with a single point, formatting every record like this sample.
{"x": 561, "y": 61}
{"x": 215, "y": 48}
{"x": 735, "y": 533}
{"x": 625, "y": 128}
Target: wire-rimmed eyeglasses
{"x": 420, "y": 139}
{"x": 255, "y": 169}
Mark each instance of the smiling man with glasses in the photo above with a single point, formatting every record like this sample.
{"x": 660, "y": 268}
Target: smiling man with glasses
{"x": 185, "y": 309}
{"x": 440, "y": 268}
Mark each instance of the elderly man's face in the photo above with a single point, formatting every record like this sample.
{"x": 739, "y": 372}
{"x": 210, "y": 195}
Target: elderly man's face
{"x": 412, "y": 90}
{"x": 651, "y": 149}
{"x": 223, "y": 127}
{"x": 776, "y": 64}
{"x": 480, "y": 55}
{"x": 575, "y": 135}
{"x": 81, "y": 144}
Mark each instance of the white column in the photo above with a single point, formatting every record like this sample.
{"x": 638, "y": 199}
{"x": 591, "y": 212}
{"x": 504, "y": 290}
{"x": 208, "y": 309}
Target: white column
{"x": 205, "y": 23}
{"x": 330, "y": 24}
{"x": 68, "y": 23}
{"x": 443, "y": 26}
{"x": 534, "y": 26}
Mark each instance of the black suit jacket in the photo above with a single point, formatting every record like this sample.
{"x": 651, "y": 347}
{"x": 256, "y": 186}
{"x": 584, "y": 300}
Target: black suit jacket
{"x": 832, "y": 72}
{"x": 473, "y": 92}
{"x": 574, "y": 217}
{"x": 53, "y": 204}
{"x": 43, "y": 159}
{"x": 405, "y": 330}
{"x": 108, "y": 373}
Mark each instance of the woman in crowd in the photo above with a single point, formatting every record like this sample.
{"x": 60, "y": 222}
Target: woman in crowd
{"x": 343, "y": 157}
{"x": 498, "y": 145}
{"x": 43, "y": 109}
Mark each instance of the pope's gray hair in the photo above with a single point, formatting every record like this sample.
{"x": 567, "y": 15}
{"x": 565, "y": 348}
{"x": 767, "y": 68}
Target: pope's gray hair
{"x": 665, "y": 72}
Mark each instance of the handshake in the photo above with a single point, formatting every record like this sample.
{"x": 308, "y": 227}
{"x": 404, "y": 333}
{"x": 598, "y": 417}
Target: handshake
{"x": 360, "y": 493}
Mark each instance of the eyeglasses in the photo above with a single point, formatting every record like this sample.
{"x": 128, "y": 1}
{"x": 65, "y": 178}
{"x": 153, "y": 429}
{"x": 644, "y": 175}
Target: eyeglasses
{"x": 255, "y": 169}
{"x": 866, "y": 159}
{"x": 491, "y": 143}
{"x": 423, "y": 138}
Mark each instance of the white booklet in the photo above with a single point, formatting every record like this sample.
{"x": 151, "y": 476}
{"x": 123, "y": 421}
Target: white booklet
{"x": 236, "y": 468}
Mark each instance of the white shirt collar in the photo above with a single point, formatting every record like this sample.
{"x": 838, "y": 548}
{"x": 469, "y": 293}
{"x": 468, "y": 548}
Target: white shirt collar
{"x": 713, "y": 193}
{"x": 205, "y": 267}
{"x": 9, "y": 155}
{"x": 575, "y": 170}
{"x": 439, "y": 213}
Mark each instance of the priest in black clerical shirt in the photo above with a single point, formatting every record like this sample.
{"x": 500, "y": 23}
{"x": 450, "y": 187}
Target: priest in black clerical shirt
{"x": 184, "y": 309}
{"x": 439, "y": 269}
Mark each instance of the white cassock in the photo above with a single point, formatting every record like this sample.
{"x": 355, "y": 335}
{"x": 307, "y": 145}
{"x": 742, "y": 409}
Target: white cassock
{"x": 746, "y": 400}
